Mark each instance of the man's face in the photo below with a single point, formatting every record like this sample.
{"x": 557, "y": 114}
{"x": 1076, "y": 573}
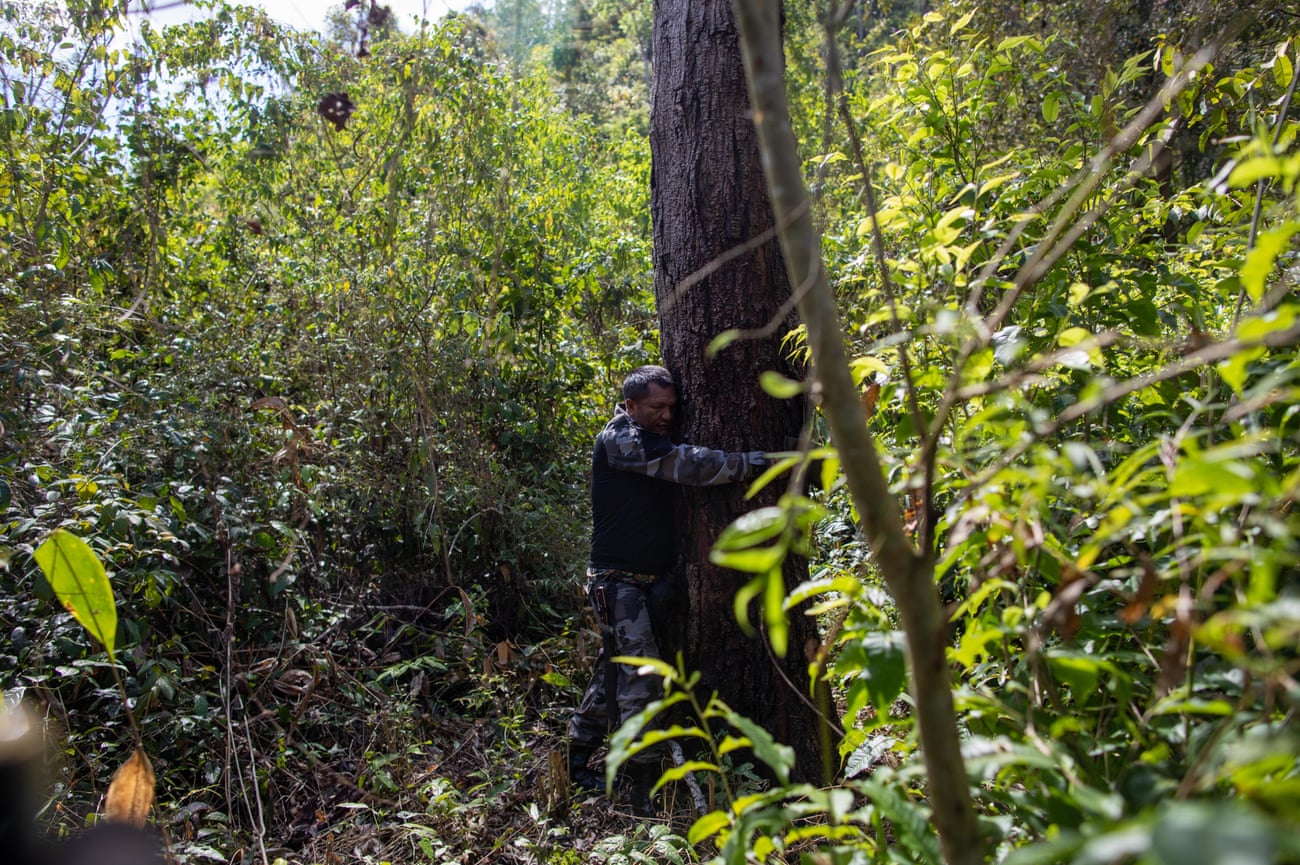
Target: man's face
{"x": 655, "y": 410}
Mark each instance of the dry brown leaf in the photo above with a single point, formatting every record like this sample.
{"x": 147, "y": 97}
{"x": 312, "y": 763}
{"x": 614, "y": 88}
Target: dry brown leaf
{"x": 869, "y": 398}
{"x": 272, "y": 402}
{"x": 1137, "y": 607}
{"x": 130, "y": 795}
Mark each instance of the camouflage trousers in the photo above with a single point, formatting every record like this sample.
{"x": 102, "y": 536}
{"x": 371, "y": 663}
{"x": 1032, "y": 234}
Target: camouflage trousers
{"x": 627, "y": 611}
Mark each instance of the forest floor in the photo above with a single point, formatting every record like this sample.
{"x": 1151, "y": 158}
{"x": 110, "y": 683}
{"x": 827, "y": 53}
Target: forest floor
{"x": 470, "y": 804}
{"x": 459, "y": 758}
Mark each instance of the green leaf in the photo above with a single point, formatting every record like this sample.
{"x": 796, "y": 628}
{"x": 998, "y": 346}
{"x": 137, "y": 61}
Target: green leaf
{"x": 780, "y": 758}
{"x": 1253, "y": 170}
{"x": 776, "y": 385}
{"x": 757, "y": 560}
{"x": 911, "y": 822}
{"x": 1282, "y": 69}
{"x": 960, "y": 23}
{"x": 1212, "y": 833}
{"x": 708, "y": 826}
{"x": 1195, "y": 477}
{"x": 1080, "y": 672}
{"x": 1259, "y": 262}
{"x": 559, "y": 680}
{"x": 77, "y": 576}
{"x": 732, "y": 743}
{"x": 623, "y": 743}
{"x": 721, "y": 341}
{"x": 677, "y": 773}
{"x": 676, "y": 731}
{"x": 1051, "y": 107}
{"x": 753, "y": 528}
{"x": 778, "y": 629}
{"x": 881, "y": 662}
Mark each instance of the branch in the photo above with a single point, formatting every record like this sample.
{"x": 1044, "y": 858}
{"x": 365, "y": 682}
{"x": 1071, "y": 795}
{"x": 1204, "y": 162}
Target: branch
{"x": 908, "y": 575}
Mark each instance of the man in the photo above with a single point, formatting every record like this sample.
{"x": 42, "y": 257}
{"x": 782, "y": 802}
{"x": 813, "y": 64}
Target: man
{"x": 633, "y": 467}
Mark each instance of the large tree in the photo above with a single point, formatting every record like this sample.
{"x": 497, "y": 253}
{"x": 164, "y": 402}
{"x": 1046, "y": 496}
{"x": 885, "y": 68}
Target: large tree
{"x": 718, "y": 267}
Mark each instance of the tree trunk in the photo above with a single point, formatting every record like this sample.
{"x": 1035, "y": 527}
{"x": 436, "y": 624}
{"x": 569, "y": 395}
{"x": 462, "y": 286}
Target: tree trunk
{"x": 709, "y": 207}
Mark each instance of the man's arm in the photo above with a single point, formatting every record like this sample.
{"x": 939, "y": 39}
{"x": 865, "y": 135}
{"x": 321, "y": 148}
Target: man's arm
{"x": 630, "y": 450}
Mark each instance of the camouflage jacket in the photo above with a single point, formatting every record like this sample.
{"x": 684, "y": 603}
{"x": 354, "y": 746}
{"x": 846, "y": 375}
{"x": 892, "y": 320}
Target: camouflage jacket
{"x": 632, "y": 473}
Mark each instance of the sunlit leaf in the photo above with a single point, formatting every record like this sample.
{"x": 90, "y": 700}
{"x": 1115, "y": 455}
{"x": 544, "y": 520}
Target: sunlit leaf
{"x": 708, "y": 826}
{"x": 79, "y": 581}
{"x": 1260, "y": 261}
{"x": 778, "y": 386}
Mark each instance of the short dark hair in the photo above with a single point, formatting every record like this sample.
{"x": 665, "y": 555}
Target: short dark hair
{"x": 638, "y": 381}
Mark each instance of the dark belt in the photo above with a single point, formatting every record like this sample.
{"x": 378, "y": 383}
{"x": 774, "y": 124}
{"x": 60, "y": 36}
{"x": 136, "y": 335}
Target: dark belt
{"x": 621, "y": 576}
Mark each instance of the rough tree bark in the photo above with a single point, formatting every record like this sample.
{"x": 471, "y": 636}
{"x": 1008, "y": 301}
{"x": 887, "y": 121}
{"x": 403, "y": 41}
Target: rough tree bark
{"x": 710, "y": 208}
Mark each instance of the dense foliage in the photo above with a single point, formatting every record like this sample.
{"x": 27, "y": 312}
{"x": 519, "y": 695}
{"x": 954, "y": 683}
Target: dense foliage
{"x": 313, "y": 383}
{"x": 309, "y": 346}
{"x": 1079, "y": 365}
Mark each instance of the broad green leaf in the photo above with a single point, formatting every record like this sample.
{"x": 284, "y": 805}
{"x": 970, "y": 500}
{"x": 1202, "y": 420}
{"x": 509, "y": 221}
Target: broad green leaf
{"x": 910, "y": 820}
{"x": 756, "y": 560}
{"x": 1260, "y": 260}
{"x": 1282, "y": 69}
{"x": 1253, "y": 170}
{"x": 960, "y": 23}
{"x": 1195, "y": 477}
{"x": 1233, "y": 370}
{"x": 1081, "y": 672}
{"x": 1051, "y": 107}
{"x": 1073, "y": 336}
{"x": 780, "y": 758}
{"x": 708, "y": 826}
{"x": 886, "y": 670}
{"x": 1212, "y": 833}
{"x": 79, "y": 581}
{"x": 753, "y": 528}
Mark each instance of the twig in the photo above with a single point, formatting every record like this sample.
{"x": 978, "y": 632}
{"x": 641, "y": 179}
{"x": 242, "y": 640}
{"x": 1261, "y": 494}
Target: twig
{"x": 697, "y": 795}
{"x": 721, "y": 260}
